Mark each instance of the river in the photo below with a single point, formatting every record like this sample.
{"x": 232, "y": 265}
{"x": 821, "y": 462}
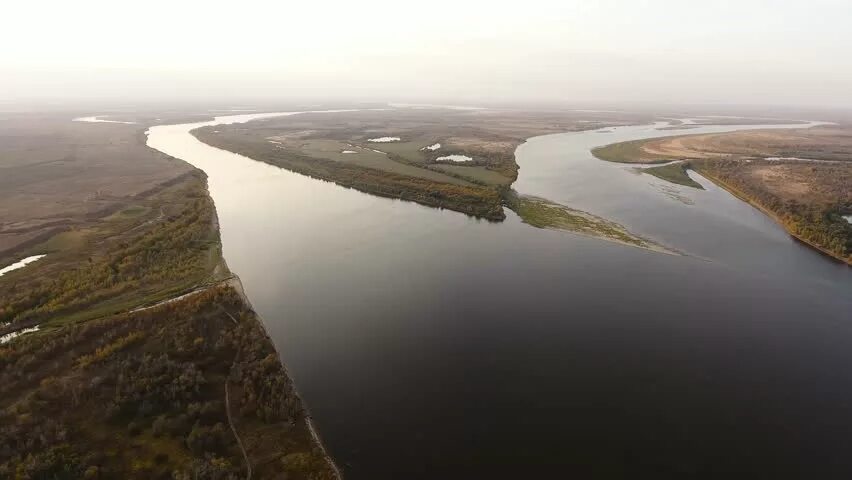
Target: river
{"x": 428, "y": 344}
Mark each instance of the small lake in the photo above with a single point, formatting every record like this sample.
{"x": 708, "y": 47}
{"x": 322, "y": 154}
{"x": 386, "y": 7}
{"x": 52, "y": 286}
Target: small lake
{"x": 13, "y": 335}
{"x": 432, "y": 345}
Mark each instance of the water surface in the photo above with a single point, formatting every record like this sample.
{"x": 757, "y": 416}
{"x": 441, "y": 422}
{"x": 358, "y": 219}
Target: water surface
{"x": 20, "y": 264}
{"x": 431, "y": 345}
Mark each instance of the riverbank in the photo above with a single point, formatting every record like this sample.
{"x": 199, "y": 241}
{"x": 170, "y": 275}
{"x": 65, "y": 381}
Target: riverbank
{"x": 796, "y": 177}
{"x": 316, "y": 440}
{"x": 143, "y": 345}
{"x": 673, "y": 172}
{"x": 771, "y": 214}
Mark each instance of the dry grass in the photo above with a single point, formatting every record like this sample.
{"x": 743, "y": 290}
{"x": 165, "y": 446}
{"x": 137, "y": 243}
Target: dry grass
{"x": 820, "y": 143}
{"x": 56, "y": 173}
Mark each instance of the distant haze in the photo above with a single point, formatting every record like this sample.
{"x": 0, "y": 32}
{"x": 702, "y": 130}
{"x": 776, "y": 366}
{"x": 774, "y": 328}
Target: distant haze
{"x": 675, "y": 51}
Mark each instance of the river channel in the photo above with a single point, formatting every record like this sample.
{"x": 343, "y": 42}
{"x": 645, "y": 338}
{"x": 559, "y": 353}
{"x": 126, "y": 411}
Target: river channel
{"x": 428, "y": 344}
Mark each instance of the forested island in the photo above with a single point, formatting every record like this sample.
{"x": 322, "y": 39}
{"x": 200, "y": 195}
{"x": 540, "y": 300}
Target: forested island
{"x": 143, "y": 358}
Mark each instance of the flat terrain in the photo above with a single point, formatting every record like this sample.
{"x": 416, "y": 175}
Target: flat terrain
{"x": 817, "y": 143}
{"x": 338, "y": 148}
{"x": 147, "y": 361}
{"x": 56, "y": 175}
{"x": 800, "y": 177}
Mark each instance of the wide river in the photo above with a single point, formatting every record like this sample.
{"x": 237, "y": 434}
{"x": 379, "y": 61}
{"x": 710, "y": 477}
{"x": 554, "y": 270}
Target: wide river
{"x": 431, "y": 345}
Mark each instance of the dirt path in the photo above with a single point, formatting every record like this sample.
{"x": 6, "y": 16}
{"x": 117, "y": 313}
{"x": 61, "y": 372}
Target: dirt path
{"x": 234, "y": 430}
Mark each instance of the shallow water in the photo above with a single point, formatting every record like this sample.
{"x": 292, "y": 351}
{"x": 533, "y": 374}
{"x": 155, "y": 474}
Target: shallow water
{"x": 431, "y": 345}
{"x": 99, "y": 120}
{"x": 20, "y": 264}
{"x": 13, "y": 335}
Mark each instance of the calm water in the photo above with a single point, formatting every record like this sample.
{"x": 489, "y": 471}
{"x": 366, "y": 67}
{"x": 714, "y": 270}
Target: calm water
{"x": 431, "y": 345}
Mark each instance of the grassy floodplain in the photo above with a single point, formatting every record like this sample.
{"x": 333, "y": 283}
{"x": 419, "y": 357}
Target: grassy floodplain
{"x": 314, "y": 144}
{"x": 337, "y": 148}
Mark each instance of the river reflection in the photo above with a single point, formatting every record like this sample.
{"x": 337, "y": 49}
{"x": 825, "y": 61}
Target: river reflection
{"x": 431, "y": 345}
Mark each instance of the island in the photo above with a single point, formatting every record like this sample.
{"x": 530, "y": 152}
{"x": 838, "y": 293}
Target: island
{"x": 461, "y": 160}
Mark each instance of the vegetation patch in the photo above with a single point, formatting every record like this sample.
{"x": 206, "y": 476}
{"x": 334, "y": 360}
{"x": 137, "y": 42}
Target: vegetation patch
{"x": 542, "y": 213}
{"x": 109, "y": 390}
{"x": 369, "y": 158}
{"x": 674, "y": 173}
{"x": 476, "y": 173}
{"x": 121, "y": 265}
{"x": 626, "y": 152}
{"x": 410, "y": 151}
{"x": 131, "y": 212}
{"x": 150, "y": 402}
{"x": 150, "y": 363}
{"x": 808, "y": 200}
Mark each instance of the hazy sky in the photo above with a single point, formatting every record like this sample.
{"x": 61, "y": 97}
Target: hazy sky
{"x": 678, "y": 51}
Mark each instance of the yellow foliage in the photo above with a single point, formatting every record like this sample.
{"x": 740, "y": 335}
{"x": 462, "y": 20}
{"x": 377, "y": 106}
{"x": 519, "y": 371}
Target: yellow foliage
{"x": 104, "y": 352}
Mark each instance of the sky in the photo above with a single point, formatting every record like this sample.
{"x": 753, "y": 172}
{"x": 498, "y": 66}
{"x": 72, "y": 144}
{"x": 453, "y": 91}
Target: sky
{"x": 755, "y": 52}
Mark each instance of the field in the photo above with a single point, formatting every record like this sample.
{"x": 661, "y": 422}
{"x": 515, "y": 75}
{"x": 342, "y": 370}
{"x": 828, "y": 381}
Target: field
{"x": 370, "y": 158}
{"x": 627, "y": 152}
{"x": 475, "y": 173}
{"x": 412, "y": 151}
{"x": 56, "y": 175}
